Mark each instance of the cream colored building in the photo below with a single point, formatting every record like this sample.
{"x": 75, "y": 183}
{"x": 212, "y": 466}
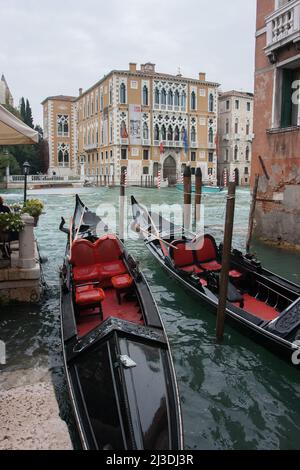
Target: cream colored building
{"x": 140, "y": 120}
{"x": 5, "y": 94}
{"x": 235, "y": 132}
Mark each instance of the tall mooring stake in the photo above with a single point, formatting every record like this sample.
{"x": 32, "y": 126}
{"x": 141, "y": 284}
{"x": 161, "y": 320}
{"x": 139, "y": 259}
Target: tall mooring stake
{"x": 187, "y": 186}
{"x": 224, "y": 277}
{"x": 122, "y": 206}
{"x": 198, "y": 196}
{"x": 252, "y": 213}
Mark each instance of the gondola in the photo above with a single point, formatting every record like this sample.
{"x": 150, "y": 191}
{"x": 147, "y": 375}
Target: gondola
{"x": 117, "y": 358}
{"x": 205, "y": 189}
{"x": 262, "y": 304}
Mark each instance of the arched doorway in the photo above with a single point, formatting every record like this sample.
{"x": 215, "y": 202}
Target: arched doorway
{"x": 169, "y": 170}
{"x": 237, "y": 177}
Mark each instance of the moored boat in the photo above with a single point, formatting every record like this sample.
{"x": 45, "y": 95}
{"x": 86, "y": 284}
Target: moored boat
{"x": 205, "y": 189}
{"x": 263, "y": 304}
{"x": 117, "y": 358}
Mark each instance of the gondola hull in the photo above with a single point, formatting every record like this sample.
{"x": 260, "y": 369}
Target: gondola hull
{"x": 120, "y": 374}
{"x": 281, "y": 336}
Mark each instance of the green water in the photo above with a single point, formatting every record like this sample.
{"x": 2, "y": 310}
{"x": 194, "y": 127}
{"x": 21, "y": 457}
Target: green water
{"x": 234, "y": 396}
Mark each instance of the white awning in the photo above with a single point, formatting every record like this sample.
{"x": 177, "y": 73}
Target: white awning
{"x": 15, "y": 132}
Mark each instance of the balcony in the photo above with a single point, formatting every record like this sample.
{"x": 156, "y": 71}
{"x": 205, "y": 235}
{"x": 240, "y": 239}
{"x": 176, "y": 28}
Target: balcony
{"x": 226, "y": 137}
{"x": 146, "y": 142}
{"x": 124, "y": 141}
{"x": 88, "y": 147}
{"x": 194, "y": 144}
{"x": 283, "y": 27}
{"x": 211, "y": 146}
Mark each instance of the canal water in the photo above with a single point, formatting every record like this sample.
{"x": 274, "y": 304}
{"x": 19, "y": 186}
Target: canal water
{"x": 234, "y": 396}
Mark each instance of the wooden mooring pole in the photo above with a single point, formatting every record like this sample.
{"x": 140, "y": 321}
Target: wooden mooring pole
{"x": 187, "y": 186}
{"x": 198, "y": 197}
{"x": 252, "y": 213}
{"x": 122, "y": 207}
{"x": 224, "y": 277}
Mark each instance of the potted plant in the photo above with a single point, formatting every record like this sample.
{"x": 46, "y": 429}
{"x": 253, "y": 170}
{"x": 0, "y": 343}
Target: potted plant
{"x": 10, "y": 226}
{"x": 33, "y": 207}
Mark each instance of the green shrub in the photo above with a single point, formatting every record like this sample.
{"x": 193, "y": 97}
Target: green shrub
{"x": 33, "y": 207}
{"x": 11, "y": 222}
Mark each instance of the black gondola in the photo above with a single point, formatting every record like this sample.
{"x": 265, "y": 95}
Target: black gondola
{"x": 117, "y": 358}
{"x": 264, "y": 305}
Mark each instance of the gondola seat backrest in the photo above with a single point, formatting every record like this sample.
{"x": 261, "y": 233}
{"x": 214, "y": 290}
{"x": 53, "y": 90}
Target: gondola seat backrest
{"x": 181, "y": 254}
{"x": 207, "y": 250}
{"x": 107, "y": 249}
{"x": 82, "y": 253}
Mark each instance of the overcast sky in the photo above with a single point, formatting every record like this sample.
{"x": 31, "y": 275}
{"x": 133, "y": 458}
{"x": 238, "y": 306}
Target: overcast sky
{"x": 52, "y": 47}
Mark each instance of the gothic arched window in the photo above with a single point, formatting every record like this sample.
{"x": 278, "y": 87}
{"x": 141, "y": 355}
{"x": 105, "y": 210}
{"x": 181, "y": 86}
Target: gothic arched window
{"x": 193, "y": 101}
{"x": 145, "y": 96}
{"x": 145, "y": 131}
{"x": 211, "y": 103}
{"x": 122, "y": 93}
{"x": 163, "y": 97}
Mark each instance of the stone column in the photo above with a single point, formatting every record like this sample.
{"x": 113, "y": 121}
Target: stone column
{"x": 27, "y": 244}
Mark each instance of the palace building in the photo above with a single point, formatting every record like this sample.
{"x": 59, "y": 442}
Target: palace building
{"x": 276, "y": 145}
{"x": 140, "y": 120}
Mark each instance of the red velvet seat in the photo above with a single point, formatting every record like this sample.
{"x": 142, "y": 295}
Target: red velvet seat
{"x": 235, "y": 274}
{"x": 122, "y": 284}
{"x": 183, "y": 258}
{"x": 207, "y": 254}
{"x": 88, "y": 296}
{"x": 211, "y": 266}
{"x": 83, "y": 262}
{"x": 85, "y": 274}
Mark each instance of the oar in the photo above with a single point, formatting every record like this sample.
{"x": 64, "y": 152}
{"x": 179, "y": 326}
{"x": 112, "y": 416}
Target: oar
{"x": 138, "y": 229}
{"x": 70, "y": 235}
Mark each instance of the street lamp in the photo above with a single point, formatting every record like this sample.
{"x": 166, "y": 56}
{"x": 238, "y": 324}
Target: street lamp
{"x": 26, "y": 168}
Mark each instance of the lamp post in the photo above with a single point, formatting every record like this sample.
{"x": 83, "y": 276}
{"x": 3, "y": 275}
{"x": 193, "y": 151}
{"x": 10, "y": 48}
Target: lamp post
{"x": 26, "y": 168}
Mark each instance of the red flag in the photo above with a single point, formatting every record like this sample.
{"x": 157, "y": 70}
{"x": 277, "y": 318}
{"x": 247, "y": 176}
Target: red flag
{"x": 161, "y": 147}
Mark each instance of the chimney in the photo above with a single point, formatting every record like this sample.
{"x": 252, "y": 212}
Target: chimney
{"x": 202, "y": 76}
{"x": 80, "y": 91}
{"x": 132, "y": 67}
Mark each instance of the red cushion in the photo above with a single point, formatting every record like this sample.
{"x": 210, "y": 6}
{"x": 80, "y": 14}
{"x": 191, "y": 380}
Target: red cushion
{"x": 107, "y": 249}
{"x": 182, "y": 256}
{"x": 192, "y": 269}
{"x": 206, "y": 250}
{"x": 82, "y": 253}
{"x": 111, "y": 269}
{"x": 122, "y": 282}
{"x": 235, "y": 274}
{"x": 89, "y": 295}
{"x": 85, "y": 273}
{"x": 203, "y": 282}
{"x": 211, "y": 266}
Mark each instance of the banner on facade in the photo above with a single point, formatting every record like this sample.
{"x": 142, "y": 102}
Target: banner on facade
{"x": 135, "y": 124}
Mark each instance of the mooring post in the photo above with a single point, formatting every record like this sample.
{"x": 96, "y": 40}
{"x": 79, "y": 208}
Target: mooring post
{"x": 187, "y": 187}
{"x": 226, "y": 256}
{"x": 198, "y": 196}
{"x": 252, "y": 213}
{"x": 122, "y": 206}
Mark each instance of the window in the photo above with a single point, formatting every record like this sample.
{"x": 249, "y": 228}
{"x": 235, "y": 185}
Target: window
{"x": 123, "y": 154}
{"x": 193, "y": 171}
{"x": 163, "y": 97}
{"x": 170, "y": 133}
{"x": 96, "y": 104}
{"x": 101, "y": 102}
{"x": 146, "y": 154}
{"x": 211, "y": 103}
{"x": 176, "y": 98}
{"x": 247, "y": 128}
{"x": 227, "y": 105}
{"x": 106, "y": 155}
{"x": 236, "y": 151}
{"x": 145, "y": 96}
{"x": 110, "y": 95}
{"x": 156, "y": 132}
{"x": 63, "y": 154}
{"x": 170, "y": 98}
{"x": 102, "y": 155}
{"x": 111, "y": 154}
{"x": 111, "y": 132}
{"x": 176, "y": 134}
{"x": 183, "y": 133}
{"x": 237, "y": 104}
{"x": 62, "y": 125}
{"x": 246, "y": 170}
{"x": 236, "y": 126}
{"x": 210, "y": 171}
{"x": 211, "y": 135}
{"x": 193, "y": 101}
{"x": 227, "y": 126}
{"x": 193, "y": 156}
{"x": 248, "y": 106}
{"x": 247, "y": 153}
{"x": 193, "y": 134}
{"x": 290, "y": 109}
{"x": 123, "y": 130}
{"x": 183, "y": 100}
{"x": 122, "y": 93}
{"x": 210, "y": 157}
{"x": 156, "y": 96}
{"x": 145, "y": 170}
{"x": 226, "y": 155}
{"x": 145, "y": 131}
{"x": 163, "y": 132}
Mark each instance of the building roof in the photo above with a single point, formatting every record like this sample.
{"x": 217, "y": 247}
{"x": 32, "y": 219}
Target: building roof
{"x": 241, "y": 94}
{"x": 60, "y": 98}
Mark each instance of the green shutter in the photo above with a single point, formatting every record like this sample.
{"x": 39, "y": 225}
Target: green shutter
{"x": 286, "y": 105}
